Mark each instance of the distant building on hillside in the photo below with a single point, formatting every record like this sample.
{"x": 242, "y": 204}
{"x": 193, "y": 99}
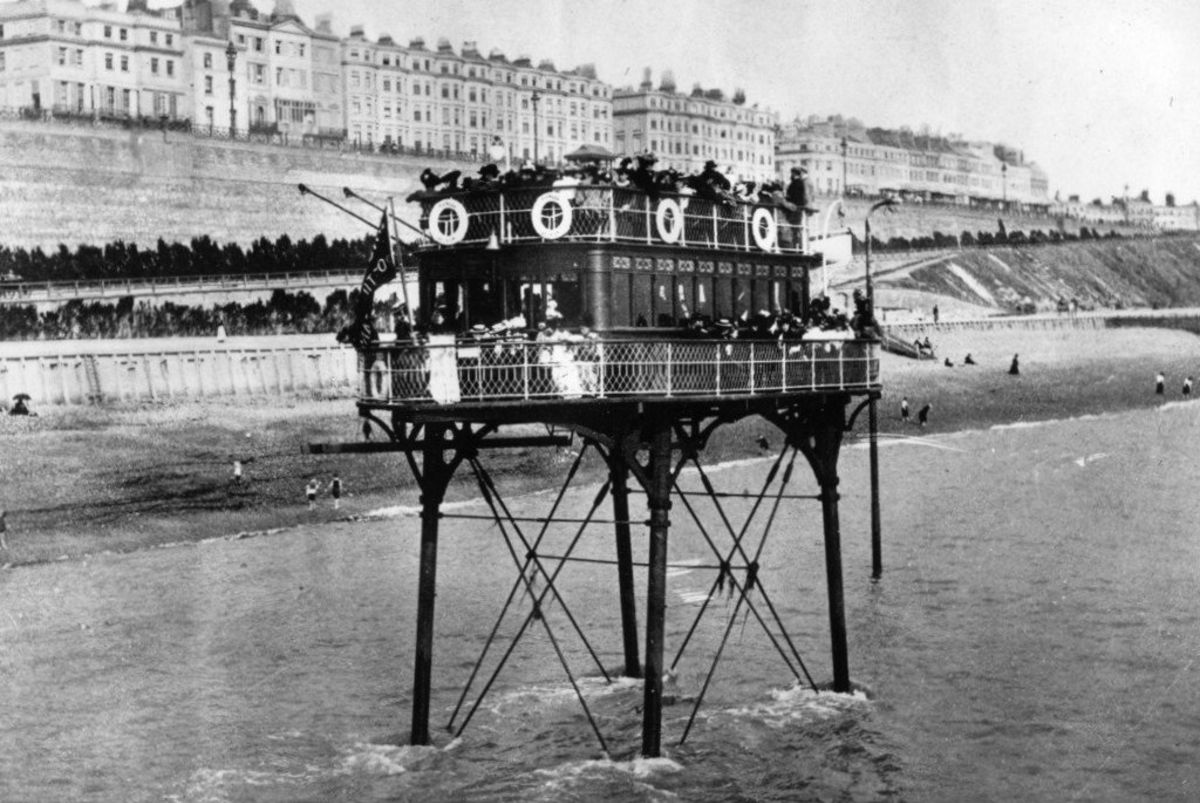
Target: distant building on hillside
{"x": 686, "y": 130}
{"x": 1177, "y": 218}
{"x": 843, "y": 155}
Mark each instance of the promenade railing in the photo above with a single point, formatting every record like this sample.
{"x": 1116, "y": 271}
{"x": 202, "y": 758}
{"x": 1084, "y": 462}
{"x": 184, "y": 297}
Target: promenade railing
{"x": 444, "y": 371}
{"x": 23, "y": 292}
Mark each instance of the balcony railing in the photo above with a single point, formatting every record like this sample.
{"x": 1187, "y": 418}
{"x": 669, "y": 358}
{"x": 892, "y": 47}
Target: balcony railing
{"x": 604, "y": 213}
{"x": 451, "y": 372}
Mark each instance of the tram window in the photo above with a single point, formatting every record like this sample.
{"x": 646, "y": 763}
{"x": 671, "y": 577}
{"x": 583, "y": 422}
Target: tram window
{"x": 664, "y": 301}
{"x": 485, "y": 304}
{"x": 640, "y": 308}
{"x": 797, "y": 300}
{"x": 762, "y": 295}
{"x": 704, "y": 297}
{"x": 619, "y": 300}
{"x": 447, "y": 299}
{"x": 779, "y": 293}
{"x": 567, "y": 294}
{"x": 685, "y": 295}
{"x": 723, "y": 298}
{"x": 533, "y": 305}
{"x": 742, "y": 299}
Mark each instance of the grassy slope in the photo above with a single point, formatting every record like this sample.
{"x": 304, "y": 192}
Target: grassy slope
{"x": 1145, "y": 272}
{"x": 85, "y": 480}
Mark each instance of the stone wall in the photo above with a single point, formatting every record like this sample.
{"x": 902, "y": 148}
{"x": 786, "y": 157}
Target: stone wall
{"x": 83, "y": 184}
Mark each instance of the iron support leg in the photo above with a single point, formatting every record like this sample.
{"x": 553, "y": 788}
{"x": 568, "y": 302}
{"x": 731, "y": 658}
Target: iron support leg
{"x": 659, "y": 494}
{"x": 619, "y": 472}
{"x": 434, "y": 479}
{"x": 819, "y": 437}
{"x": 876, "y": 539}
{"x": 833, "y": 580}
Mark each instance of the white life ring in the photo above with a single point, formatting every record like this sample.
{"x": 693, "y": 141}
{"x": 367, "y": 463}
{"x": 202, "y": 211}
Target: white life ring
{"x": 457, "y": 230}
{"x": 669, "y": 230}
{"x": 764, "y": 228}
{"x": 563, "y": 214}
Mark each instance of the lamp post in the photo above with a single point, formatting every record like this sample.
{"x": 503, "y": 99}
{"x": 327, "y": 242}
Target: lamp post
{"x": 230, "y": 60}
{"x": 873, "y": 415}
{"x": 867, "y": 227}
{"x": 1004, "y": 185}
{"x": 535, "y": 97}
{"x": 844, "y": 147}
{"x": 824, "y": 238}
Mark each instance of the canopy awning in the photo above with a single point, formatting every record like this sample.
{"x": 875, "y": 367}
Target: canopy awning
{"x": 590, "y": 153}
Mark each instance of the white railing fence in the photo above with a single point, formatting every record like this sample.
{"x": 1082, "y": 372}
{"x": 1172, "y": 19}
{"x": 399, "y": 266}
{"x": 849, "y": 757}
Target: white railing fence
{"x": 447, "y": 373}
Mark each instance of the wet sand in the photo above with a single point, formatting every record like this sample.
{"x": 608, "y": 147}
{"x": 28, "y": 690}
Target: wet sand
{"x": 81, "y": 481}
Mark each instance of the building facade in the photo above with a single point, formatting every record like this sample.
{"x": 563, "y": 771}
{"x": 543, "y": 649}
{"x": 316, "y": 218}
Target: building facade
{"x": 437, "y": 99}
{"x": 62, "y": 57}
{"x": 844, "y": 156}
{"x": 686, "y": 130}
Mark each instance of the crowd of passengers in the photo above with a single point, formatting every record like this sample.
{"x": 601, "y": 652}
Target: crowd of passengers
{"x": 628, "y": 172}
{"x": 822, "y": 318}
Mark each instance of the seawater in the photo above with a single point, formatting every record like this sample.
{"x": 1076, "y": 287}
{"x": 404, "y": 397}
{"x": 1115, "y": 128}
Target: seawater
{"x": 1035, "y": 636}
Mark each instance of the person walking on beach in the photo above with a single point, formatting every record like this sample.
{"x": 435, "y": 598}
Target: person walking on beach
{"x": 1187, "y": 386}
{"x": 311, "y": 492}
{"x": 904, "y": 410}
{"x": 1015, "y": 368}
{"x": 335, "y": 488}
{"x": 237, "y": 471}
{"x": 923, "y": 414}
{"x": 1160, "y": 383}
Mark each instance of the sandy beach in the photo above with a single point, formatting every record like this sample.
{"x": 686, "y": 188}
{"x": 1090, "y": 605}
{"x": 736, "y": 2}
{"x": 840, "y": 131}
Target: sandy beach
{"x": 85, "y": 480}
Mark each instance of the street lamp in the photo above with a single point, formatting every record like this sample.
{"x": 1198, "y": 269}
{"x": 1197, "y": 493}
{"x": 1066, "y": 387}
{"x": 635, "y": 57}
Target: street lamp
{"x": 841, "y": 210}
{"x": 230, "y": 59}
{"x": 1004, "y": 184}
{"x": 867, "y": 226}
{"x": 873, "y": 415}
{"x": 844, "y": 145}
{"x": 535, "y": 97}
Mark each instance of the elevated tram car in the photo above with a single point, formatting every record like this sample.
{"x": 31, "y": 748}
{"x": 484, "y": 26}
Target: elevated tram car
{"x": 640, "y": 319}
{"x": 601, "y": 292}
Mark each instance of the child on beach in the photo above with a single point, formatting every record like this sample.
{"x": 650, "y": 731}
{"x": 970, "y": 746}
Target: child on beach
{"x": 311, "y": 492}
{"x": 923, "y": 414}
{"x": 335, "y": 488}
{"x": 904, "y": 409}
{"x": 1187, "y": 386}
{"x": 1160, "y": 383}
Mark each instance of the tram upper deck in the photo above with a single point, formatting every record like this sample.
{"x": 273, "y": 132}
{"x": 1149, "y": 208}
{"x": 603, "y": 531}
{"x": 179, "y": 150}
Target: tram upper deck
{"x": 584, "y": 292}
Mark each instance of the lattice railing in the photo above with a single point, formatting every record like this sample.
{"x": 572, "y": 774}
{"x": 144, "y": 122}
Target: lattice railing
{"x": 516, "y": 371}
{"x": 604, "y": 213}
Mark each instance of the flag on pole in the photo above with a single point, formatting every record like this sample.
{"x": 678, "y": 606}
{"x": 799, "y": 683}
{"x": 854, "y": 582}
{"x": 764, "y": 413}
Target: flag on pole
{"x": 381, "y": 270}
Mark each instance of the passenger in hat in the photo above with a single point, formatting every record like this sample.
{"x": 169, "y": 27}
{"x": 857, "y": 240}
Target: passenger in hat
{"x": 713, "y": 178}
{"x": 489, "y": 174}
{"x": 797, "y": 205}
{"x": 643, "y": 176}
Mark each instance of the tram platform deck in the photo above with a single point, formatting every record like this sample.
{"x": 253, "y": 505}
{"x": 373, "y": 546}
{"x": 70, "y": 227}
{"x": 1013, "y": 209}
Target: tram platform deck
{"x": 446, "y": 373}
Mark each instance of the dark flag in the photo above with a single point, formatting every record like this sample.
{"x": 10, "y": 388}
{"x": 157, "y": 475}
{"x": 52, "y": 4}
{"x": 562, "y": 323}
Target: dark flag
{"x": 381, "y": 270}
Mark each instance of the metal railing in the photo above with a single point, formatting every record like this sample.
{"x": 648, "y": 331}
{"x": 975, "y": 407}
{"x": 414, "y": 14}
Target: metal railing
{"x": 465, "y": 371}
{"x": 26, "y": 292}
{"x": 606, "y": 213}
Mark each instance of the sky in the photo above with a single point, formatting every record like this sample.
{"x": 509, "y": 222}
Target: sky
{"x": 1104, "y": 95}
